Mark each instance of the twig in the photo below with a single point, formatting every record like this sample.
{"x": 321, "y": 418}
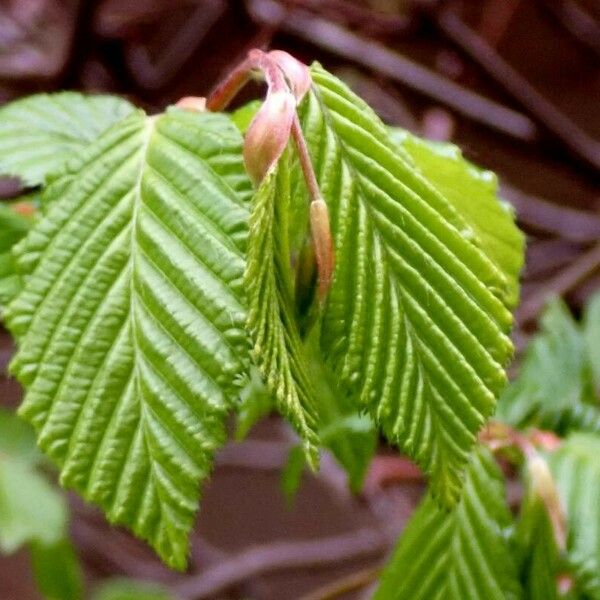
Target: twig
{"x": 349, "y": 583}
{"x": 573, "y": 137}
{"x": 570, "y": 223}
{"x": 560, "y": 284}
{"x": 581, "y": 25}
{"x": 279, "y": 556}
{"x": 375, "y": 56}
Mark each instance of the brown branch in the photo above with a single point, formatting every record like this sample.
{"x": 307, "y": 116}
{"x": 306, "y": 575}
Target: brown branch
{"x": 562, "y": 283}
{"x": 344, "y": 585}
{"x": 572, "y": 136}
{"x": 569, "y": 223}
{"x": 373, "y": 55}
{"x": 278, "y": 556}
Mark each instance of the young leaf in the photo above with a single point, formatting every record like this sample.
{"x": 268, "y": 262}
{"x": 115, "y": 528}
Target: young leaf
{"x": 458, "y": 554}
{"x": 541, "y": 564}
{"x": 31, "y": 510}
{"x": 128, "y": 589}
{"x": 38, "y": 134}
{"x": 591, "y": 332}
{"x": 474, "y": 194}
{"x": 277, "y": 347}
{"x": 415, "y": 327}
{"x": 57, "y": 571}
{"x": 131, "y": 322}
{"x": 576, "y": 470}
{"x": 554, "y": 388}
{"x": 255, "y": 403}
{"x": 13, "y": 227}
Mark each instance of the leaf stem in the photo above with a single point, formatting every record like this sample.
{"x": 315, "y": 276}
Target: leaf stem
{"x": 319, "y": 213}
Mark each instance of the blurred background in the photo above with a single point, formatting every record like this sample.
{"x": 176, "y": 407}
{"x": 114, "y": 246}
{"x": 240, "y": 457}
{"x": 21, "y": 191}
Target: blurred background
{"x": 515, "y": 83}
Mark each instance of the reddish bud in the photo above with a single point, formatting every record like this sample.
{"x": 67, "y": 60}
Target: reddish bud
{"x": 543, "y": 486}
{"x": 323, "y": 244}
{"x": 193, "y": 103}
{"x": 24, "y": 208}
{"x": 268, "y": 134}
{"x": 296, "y": 72}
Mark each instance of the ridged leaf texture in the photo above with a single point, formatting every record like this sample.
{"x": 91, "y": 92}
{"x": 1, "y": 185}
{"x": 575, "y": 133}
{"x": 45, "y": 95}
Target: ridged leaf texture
{"x": 13, "y": 227}
{"x": 415, "y": 328}
{"x": 460, "y": 554}
{"x": 576, "y": 470}
{"x": 554, "y": 389}
{"x": 132, "y": 320}
{"x": 39, "y": 133}
{"x": 277, "y": 346}
{"x": 474, "y": 194}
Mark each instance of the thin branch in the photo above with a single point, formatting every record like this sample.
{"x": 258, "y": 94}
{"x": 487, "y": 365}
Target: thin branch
{"x": 573, "y": 137}
{"x": 279, "y": 556}
{"x": 344, "y": 585}
{"x": 562, "y": 283}
{"x": 373, "y": 55}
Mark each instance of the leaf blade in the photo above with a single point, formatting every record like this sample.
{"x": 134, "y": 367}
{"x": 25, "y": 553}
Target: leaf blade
{"x": 131, "y": 322}
{"x": 40, "y": 133}
{"x": 428, "y": 358}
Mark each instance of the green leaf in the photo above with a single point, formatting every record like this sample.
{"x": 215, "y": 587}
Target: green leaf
{"x": 31, "y": 510}
{"x": 38, "y": 134}
{"x": 127, "y": 589}
{"x": 131, "y": 321}
{"x": 242, "y": 117}
{"x": 255, "y": 403}
{"x": 57, "y": 571}
{"x": 351, "y": 437}
{"x": 591, "y": 332}
{"x": 554, "y": 388}
{"x": 291, "y": 475}
{"x": 17, "y": 438}
{"x": 576, "y": 470}
{"x": 277, "y": 347}
{"x": 460, "y": 554}
{"x": 474, "y": 194}
{"x": 415, "y": 328}
{"x": 539, "y": 559}
{"x": 13, "y": 227}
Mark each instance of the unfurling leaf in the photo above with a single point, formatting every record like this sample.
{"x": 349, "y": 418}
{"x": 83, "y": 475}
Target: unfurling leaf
{"x": 415, "y": 327}
{"x": 460, "y": 554}
{"x": 131, "y": 322}
{"x": 277, "y": 346}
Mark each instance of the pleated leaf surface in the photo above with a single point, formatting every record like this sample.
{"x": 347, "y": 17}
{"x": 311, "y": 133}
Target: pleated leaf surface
{"x": 458, "y": 554}
{"x": 277, "y": 346}
{"x": 415, "y": 328}
{"x": 39, "y": 133}
{"x": 131, "y": 320}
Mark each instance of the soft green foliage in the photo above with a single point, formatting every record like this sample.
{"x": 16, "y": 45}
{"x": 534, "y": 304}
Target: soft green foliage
{"x": 33, "y": 513}
{"x": 255, "y": 403}
{"x": 57, "y": 571}
{"x": 158, "y": 292}
{"x": 474, "y": 194}
{"x": 131, "y": 323}
{"x": 460, "y": 554}
{"x": 591, "y": 333}
{"x": 127, "y": 589}
{"x": 30, "y": 509}
{"x": 539, "y": 559}
{"x": 38, "y": 134}
{"x": 576, "y": 469}
{"x": 277, "y": 347}
{"x": 554, "y": 389}
{"x": 415, "y": 327}
{"x": 13, "y": 227}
